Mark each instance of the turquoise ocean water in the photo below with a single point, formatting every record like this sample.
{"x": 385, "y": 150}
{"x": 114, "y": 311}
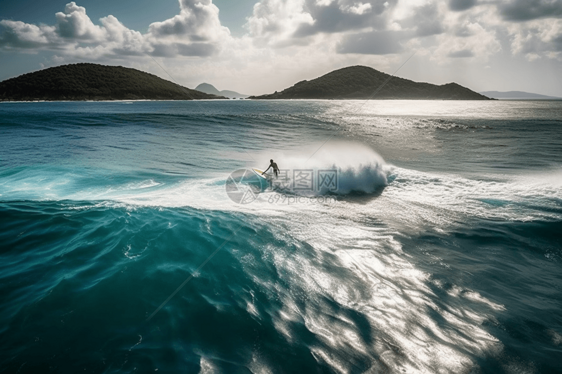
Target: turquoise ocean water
{"x": 441, "y": 251}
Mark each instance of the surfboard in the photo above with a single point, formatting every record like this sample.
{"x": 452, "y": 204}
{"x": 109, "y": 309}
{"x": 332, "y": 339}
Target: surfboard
{"x": 260, "y": 174}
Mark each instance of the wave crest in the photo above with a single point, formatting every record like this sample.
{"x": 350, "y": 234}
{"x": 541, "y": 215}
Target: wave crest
{"x": 358, "y": 168}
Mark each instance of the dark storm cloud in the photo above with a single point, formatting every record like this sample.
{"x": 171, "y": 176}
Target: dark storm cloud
{"x": 371, "y": 43}
{"x": 461, "y": 54}
{"x": 338, "y": 17}
{"x": 460, "y": 5}
{"x": 525, "y": 10}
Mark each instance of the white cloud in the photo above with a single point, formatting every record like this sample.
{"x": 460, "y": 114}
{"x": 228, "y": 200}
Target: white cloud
{"x": 424, "y": 19}
{"x": 18, "y": 34}
{"x": 289, "y": 22}
{"x": 291, "y": 40}
{"x": 198, "y": 21}
{"x": 537, "y": 38}
{"x": 75, "y": 24}
{"x": 478, "y": 43}
{"x": 120, "y": 39}
{"x": 276, "y": 21}
{"x": 196, "y": 31}
{"x": 446, "y": 31}
{"x": 360, "y": 8}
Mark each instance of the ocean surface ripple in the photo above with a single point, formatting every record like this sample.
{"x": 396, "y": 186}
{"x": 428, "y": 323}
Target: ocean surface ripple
{"x": 440, "y": 251}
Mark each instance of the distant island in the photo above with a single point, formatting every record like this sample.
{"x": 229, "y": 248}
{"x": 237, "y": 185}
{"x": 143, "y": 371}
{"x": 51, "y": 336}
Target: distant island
{"x": 518, "y": 95}
{"x": 210, "y": 89}
{"x": 362, "y": 82}
{"x": 94, "y": 82}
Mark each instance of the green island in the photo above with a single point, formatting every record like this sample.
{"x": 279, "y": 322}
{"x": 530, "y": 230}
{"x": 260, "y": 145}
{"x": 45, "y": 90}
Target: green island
{"x": 362, "y": 82}
{"x": 76, "y": 82}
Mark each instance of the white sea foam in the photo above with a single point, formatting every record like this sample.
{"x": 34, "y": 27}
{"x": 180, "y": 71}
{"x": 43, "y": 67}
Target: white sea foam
{"x": 409, "y": 196}
{"x": 358, "y": 167}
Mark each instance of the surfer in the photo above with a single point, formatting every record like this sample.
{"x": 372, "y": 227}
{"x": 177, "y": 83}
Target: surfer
{"x": 274, "y": 166}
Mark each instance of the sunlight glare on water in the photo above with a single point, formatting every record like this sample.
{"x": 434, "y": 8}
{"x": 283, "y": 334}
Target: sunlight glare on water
{"x": 439, "y": 252}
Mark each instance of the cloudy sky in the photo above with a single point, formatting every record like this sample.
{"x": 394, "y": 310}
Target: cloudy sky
{"x": 261, "y": 46}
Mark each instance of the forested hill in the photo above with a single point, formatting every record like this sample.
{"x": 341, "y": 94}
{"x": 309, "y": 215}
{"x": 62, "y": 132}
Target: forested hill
{"x": 210, "y": 89}
{"x": 94, "y": 82}
{"x": 362, "y": 82}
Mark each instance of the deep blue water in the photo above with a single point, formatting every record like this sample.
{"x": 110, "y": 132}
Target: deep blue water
{"x": 441, "y": 250}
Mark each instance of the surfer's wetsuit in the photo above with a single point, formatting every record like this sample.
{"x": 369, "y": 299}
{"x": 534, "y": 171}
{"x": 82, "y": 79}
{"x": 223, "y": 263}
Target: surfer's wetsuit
{"x": 274, "y": 166}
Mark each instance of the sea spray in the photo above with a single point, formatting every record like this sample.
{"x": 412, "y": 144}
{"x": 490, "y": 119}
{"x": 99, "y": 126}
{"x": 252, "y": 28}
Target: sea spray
{"x": 106, "y": 209}
{"x": 358, "y": 168}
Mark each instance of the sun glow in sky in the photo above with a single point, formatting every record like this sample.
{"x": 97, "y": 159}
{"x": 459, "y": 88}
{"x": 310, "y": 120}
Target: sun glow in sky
{"x": 257, "y": 47}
